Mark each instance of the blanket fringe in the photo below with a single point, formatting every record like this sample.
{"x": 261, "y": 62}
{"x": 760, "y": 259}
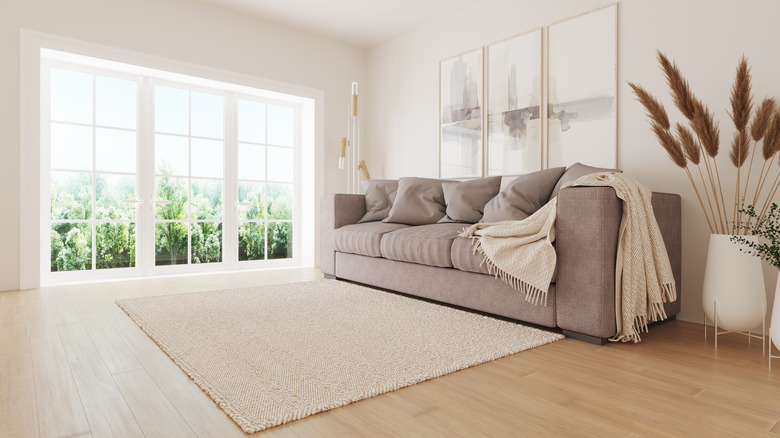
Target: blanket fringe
{"x": 632, "y": 333}
{"x": 670, "y": 292}
{"x": 655, "y": 312}
{"x": 533, "y": 294}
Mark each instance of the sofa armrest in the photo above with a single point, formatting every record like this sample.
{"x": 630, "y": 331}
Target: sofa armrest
{"x": 336, "y": 210}
{"x": 587, "y": 228}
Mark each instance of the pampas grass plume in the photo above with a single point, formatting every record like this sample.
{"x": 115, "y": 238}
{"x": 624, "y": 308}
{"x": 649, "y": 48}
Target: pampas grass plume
{"x": 741, "y": 100}
{"x": 681, "y": 91}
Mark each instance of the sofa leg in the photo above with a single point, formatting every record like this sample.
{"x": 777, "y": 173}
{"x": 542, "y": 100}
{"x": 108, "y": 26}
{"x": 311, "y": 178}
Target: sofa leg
{"x": 601, "y": 341}
{"x": 329, "y": 277}
{"x": 585, "y": 338}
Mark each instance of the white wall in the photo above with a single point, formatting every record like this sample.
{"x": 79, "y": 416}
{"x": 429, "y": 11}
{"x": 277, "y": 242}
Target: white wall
{"x": 181, "y": 30}
{"x": 705, "y": 37}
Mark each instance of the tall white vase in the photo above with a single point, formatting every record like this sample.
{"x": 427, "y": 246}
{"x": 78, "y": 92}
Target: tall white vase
{"x": 774, "y": 326}
{"x": 734, "y": 284}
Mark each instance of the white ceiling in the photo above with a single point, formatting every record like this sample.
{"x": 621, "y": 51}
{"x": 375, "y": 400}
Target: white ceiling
{"x": 363, "y": 23}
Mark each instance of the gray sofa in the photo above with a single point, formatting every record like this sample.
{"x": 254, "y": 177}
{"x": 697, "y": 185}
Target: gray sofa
{"x": 430, "y": 261}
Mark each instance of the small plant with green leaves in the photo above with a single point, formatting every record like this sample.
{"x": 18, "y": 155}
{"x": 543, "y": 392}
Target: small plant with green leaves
{"x": 766, "y": 227}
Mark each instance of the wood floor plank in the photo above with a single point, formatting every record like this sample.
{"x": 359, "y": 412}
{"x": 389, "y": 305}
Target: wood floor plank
{"x": 153, "y": 411}
{"x": 111, "y": 418}
{"x": 133, "y": 337}
{"x": 89, "y": 371}
{"x": 14, "y": 332}
{"x": 198, "y": 409}
{"x": 60, "y": 412}
{"x": 40, "y": 320}
{"x": 110, "y": 346}
{"x": 283, "y": 431}
{"x": 18, "y": 416}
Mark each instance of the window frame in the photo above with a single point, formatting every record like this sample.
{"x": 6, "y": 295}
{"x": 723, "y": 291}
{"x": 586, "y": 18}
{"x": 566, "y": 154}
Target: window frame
{"x": 145, "y": 183}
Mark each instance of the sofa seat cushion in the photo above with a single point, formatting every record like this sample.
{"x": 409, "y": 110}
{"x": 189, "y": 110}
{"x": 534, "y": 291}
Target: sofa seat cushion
{"x": 424, "y": 244}
{"x": 464, "y": 258}
{"x": 363, "y": 239}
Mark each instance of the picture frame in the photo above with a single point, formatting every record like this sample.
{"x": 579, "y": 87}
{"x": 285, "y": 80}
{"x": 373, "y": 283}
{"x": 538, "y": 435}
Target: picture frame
{"x": 582, "y": 90}
{"x": 514, "y": 105}
{"x": 461, "y": 102}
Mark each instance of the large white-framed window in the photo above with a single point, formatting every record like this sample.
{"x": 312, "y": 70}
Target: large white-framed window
{"x": 189, "y": 148}
{"x": 229, "y": 217}
{"x": 267, "y": 194}
{"x": 89, "y": 153}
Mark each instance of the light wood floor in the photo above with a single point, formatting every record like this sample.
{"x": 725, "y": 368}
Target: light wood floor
{"x": 73, "y": 365}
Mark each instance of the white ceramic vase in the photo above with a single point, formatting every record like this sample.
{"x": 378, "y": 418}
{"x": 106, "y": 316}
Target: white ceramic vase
{"x": 774, "y": 327}
{"x": 734, "y": 284}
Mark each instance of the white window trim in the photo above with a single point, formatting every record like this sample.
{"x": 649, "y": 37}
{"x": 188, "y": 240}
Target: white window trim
{"x": 30, "y": 208}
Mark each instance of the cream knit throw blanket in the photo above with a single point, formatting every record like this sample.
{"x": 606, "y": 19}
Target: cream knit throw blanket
{"x": 521, "y": 253}
{"x": 643, "y": 274}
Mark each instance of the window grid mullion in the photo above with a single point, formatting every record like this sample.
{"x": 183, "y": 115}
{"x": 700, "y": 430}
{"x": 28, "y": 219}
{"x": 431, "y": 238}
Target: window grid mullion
{"x": 146, "y": 183}
{"x": 265, "y": 191}
{"x": 94, "y": 174}
{"x": 189, "y": 178}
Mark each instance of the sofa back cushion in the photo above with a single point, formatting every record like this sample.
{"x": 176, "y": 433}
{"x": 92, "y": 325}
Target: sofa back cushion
{"x": 576, "y": 171}
{"x": 380, "y": 195}
{"x": 419, "y": 201}
{"x": 523, "y": 196}
{"x": 465, "y": 200}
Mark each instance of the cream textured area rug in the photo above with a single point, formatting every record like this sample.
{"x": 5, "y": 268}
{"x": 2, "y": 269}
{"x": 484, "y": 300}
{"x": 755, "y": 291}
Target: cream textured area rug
{"x": 273, "y": 354}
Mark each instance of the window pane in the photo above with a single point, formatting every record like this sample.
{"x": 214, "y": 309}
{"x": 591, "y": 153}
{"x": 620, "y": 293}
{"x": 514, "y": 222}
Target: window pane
{"x": 71, "y": 195}
{"x": 281, "y": 125}
{"x": 207, "y": 115}
{"x": 171, "y": 155}
{"x": 280, "y": 240}
{"x": 251, "y": 241}
{"x": 71, "y": 147}
{"x": 280, "y": 164}
{"x": 115, "y": 150}
{"x": 71, "y": 247}
{"x": 115, "y": 102}
{"x": 115, "y": 245}
{"x": 254, "y": 193}
{"x": 207, "y": 242}
{"x": 71, "y": 96}
{"x": 251, "y": 161}
{"x": 206, "y": 158}
{"x": 110, "y": 191}
{"x": 251, "y": 121}
{"x": 280, "y": 201}
{"x": 170, "y": 244}
{"x": 206, "y": 199}
{"x": 174, "y": 190}
{"x": 171, "y": 110}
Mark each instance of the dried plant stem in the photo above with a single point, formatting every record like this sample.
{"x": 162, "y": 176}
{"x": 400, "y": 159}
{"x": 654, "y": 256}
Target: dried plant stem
{"x": 759, "y": 183}
{"x": 755, "y": 195}
{"x": 736, "y": 199}
{"x": 747, "y": 181}
{"x": 714, "y": 194}
{"x": 709, "y": 202}
{"x": 761, "y": 186}
{"x": 722, "y": 200}
{"x": 772, "y": 191}
{"x": 706, "y": 216}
